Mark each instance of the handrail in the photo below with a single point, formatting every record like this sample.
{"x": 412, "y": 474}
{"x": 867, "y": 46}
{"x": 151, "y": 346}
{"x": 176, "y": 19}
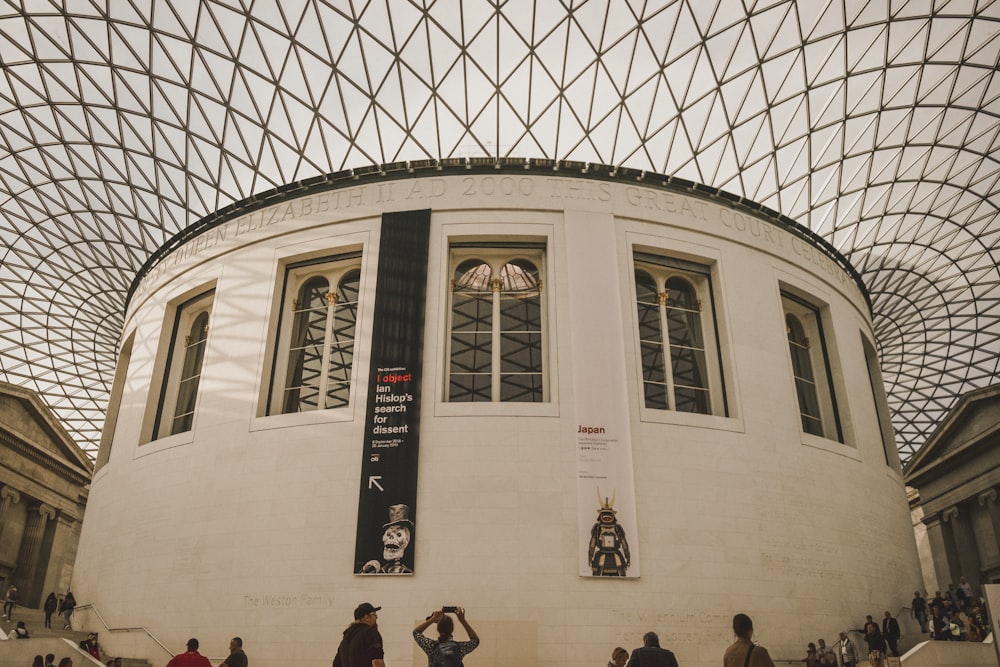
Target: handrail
{"x": 138, "y": 628}
{"x": 849, "y": 631}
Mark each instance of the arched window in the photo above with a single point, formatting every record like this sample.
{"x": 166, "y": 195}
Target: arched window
{"x": 654, "y": 370}
{"x": 811, "y": 368}
{"x": 681, "y": 368}
{"x": 802, "y": 371}
{"x": 687, "y": 347}
{"x": 316, "y": 343}
{"x": 182, "y": 367}
{"x": 496, "y": 342}
{"x": 187, "y": 391}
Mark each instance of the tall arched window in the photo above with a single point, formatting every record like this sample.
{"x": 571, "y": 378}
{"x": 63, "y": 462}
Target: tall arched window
{"x": 687, "y": 347}
{"x": 681, "y": 367}
{"x": 811, "y": 368}
{"x": 178, "y": 395}
{"x": 496, "y": 345}
{"x": 315, "y": 352}
{"x": 805, "y": 380}
{"x": 187, "y": 390}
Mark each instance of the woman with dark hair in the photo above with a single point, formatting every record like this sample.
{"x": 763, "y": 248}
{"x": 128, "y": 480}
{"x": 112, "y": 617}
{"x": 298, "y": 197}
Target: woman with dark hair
{"x": 68, "y": 605}
{"x": 37, "y": 662}
{"x": 812, "y": 656}
{"x": 744, "y": 652}
{"x": 445, "y": 648}
{"x": 66, "y": 662}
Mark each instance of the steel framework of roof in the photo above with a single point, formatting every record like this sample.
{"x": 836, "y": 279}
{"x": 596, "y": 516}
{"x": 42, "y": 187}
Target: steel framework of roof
{"x": 875, "y": 123}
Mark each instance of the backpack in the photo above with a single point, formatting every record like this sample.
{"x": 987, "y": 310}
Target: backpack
{"x": 446, "y": 654}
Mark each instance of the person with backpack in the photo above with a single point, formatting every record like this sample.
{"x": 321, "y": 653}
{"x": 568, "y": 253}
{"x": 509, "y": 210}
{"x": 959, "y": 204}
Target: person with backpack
{"x": 66, "y": 607}
{"x": 445, "y": 651}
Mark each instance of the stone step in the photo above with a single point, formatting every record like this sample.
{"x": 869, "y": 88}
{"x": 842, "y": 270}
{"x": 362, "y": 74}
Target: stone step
{"x": 34, "y": 620}
{"x": 56, "y": 640}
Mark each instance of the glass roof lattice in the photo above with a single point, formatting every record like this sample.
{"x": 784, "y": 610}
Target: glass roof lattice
{"x": 874, "y": 123}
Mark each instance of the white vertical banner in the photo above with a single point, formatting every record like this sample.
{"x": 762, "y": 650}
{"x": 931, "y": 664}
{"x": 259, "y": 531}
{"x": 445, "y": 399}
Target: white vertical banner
{"x": 608, "y": 536}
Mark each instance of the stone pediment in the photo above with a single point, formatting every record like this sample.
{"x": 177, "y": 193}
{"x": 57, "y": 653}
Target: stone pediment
{"x": 973, "y": 421}
{"x": 30, "y": 423}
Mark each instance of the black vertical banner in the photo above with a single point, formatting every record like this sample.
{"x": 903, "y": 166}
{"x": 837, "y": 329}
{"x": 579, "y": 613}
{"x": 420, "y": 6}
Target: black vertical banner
{"x": 387, "y": 503}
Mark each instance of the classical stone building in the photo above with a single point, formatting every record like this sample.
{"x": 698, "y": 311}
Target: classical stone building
{"x": 44, "y": 477}
{"x": 582, "y": 402}
{"x": 957, "y": 473}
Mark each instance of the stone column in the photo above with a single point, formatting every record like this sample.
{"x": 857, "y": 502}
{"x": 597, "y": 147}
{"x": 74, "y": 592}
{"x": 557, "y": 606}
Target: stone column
{"x": 8, "y": 496}
{"x": 31, "y": 548}
{"x": 942, "y": 549}
{"x": 966, "y": 548}
{"x": 990, "y": 533}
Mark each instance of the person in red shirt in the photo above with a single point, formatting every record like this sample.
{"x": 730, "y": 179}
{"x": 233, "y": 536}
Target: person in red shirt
{"x": 190, "y": 658}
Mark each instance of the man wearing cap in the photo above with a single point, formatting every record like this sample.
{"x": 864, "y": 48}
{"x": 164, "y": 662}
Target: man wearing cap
{"x": 362, "y": 642}
{"x": 190, "y": 658}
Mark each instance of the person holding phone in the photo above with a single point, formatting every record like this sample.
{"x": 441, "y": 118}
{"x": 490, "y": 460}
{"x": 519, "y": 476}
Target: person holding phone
{"x": 445, "y": 651}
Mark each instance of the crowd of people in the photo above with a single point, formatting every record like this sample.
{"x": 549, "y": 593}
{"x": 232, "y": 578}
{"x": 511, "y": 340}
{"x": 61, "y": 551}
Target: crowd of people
{"x": 957, "y": 614}
{"x": 361, "y": 645}
{"x": 50, "y": 606}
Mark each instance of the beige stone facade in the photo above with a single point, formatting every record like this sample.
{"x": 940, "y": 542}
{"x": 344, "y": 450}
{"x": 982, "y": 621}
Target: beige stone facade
{"x": 44, "y": 478}
{"x": 243, "y": 519}
{"x": 957, "y": 474}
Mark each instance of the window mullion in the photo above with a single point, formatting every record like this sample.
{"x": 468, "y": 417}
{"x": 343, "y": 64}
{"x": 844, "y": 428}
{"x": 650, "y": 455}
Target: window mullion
{"x": 668, "y": 370}
{"x": 496, "y": 353}
{"x": 324, "y": 378}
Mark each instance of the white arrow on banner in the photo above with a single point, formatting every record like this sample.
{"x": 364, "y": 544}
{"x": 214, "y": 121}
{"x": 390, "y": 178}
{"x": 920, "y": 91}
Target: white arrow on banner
{"x": 373, "y": 481}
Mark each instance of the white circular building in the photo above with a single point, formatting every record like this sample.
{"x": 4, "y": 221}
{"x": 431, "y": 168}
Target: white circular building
{"x": 582, "y": 402}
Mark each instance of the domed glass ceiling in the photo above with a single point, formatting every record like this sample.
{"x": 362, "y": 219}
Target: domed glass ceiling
{"x": 876, "y": 123}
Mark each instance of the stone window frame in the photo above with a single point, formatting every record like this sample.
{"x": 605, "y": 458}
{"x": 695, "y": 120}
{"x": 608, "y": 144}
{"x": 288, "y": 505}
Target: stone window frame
{"x": 498, "y": 255}
{"x": 822, "y": 419}
{"x": 183, "y": 366}
{"x": 662, "y": 267}
{"x": 335, "y": 269}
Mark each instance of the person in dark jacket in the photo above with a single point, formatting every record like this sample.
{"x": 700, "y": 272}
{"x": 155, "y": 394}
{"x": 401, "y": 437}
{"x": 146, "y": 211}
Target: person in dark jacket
{"x": 51, "y": 603}
{"x": 362, "y": 642}
{"x": 876, "y": 645}
{"x": 891, "y": 634}
{"x": 68, "y": 605}
{"x": 651, "y": 655}
{"x": 940, "y": 625}
{"x": 20, "y": 632}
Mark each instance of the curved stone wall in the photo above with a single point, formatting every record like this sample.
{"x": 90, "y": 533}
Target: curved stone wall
{"x": 245, "y": 521}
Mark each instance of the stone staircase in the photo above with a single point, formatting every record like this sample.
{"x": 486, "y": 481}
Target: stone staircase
{"x": 55, "y": 640}
{"x": 34, "y": 620}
